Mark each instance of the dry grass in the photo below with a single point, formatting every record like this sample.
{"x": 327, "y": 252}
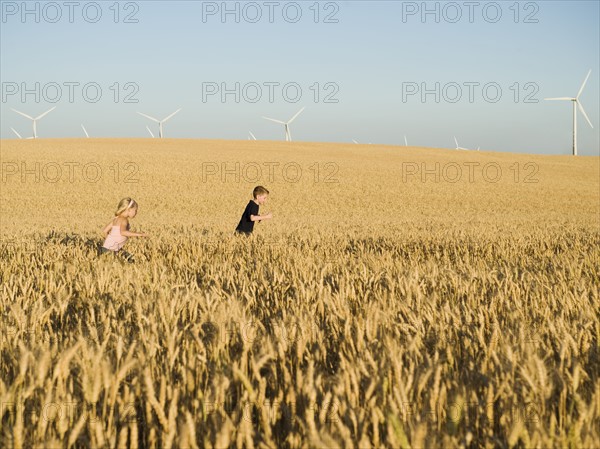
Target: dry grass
{"x": 372, "y": 312}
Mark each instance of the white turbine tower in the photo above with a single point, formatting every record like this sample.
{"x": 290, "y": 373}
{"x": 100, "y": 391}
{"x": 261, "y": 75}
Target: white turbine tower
{"x": 34, "y": 119}
{"x": 148, "y": 128}
{"x": 251, "y": 135}
{"x": 288, "y": 134}
{"x": 160, "y": 122}
{"x": 85, "y": 131}
{"x": 576, "y": 104}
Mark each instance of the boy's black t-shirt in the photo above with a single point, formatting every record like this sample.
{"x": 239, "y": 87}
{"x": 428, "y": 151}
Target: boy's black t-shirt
{"x": 246, "y": 225}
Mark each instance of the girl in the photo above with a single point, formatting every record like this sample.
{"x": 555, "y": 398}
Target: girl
{"x": 117, "y": 231}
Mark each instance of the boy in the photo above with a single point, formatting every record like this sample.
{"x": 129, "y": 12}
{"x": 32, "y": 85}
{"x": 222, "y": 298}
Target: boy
{"x": 250, "y": 215}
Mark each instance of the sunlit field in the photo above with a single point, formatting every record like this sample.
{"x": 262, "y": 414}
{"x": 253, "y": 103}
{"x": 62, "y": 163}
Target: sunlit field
{"x": 400, "y": 297}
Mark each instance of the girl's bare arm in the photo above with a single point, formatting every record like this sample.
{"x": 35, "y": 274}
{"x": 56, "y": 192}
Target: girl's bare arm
{"x": 106, "y": 229}
{"x": 126, "y": 233}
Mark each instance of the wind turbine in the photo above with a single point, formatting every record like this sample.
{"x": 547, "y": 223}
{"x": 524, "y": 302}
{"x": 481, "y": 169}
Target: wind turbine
{"x": 34, "y": 119}
{"x": 406, "y": 141}
{"x": 461, "y": 148}
{"x": 576, "y": 104}
{"x": 457, "y": 147}
{"x": 251, "y": 135}
{"x": 149, "y": 131}
{"x": 160, "y": 122}
{"x": 288, "y": 134}
{"x": 84, "y": 130}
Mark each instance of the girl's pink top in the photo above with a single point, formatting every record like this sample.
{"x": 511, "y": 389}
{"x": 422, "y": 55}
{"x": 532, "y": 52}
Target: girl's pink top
{"x": 114, "y": 240}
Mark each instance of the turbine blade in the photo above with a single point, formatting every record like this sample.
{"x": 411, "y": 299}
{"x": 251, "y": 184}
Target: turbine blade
{"x": 18, "y": 135}
{"x": 84, "y": 130}
{"x": 294, "y": 117}
{"x": 151, "y": 118}
{"x": 561, "y": 98}
{"x": 273, "y": 120}
{"x": 584, "y": 114}
{"x": 456, "y": 141}
{"x": 165, "y": 119}
{"x": 49, "y": 110}
{"x": 149, "y": 131}
{"x": 583, "y": 85}
{"x": 23, "y": 114}
{"x": 253, "y": 137}
{"x": 355, "y": 141}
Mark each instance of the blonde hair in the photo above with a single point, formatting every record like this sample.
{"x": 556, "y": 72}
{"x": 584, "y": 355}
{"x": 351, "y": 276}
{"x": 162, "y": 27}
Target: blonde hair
{"x": 124, "y": 204}
{"x": 259, "y": 190}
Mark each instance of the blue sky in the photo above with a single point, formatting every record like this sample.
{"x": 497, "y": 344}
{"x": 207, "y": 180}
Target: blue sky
{"x": 371, "y": 63}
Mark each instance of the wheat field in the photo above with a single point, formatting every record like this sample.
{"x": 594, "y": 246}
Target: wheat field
{"x": 401, "y": 297}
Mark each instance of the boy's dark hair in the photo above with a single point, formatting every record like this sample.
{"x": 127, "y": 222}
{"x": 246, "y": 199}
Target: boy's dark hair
{"x": 259, "y": 190}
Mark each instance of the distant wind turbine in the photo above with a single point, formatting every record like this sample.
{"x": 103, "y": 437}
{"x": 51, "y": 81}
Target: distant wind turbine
{"x": 34, "y": 119}
{"x": 457, "y": 147}
{"x": 576, "y": 104}
{"x": 84, "y": 130}
{"x": 288, "y": 134}
{"x": 461, "y": 148}
{"x": 160, "y": 122}
{"x": 148, "y": 128}
{"x": 252, "y": 135}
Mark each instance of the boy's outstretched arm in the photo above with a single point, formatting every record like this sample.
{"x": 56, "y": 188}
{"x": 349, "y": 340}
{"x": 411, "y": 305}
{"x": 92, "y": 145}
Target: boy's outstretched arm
{"x": 261, "y": 217}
